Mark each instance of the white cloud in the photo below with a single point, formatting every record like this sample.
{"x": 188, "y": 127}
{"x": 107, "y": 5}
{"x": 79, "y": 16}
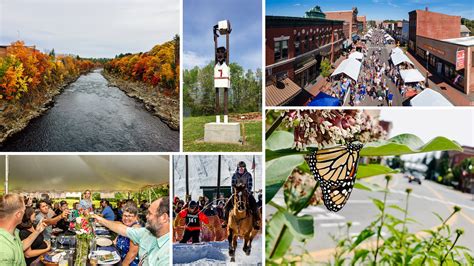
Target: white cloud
{"x": 192, "y": 59}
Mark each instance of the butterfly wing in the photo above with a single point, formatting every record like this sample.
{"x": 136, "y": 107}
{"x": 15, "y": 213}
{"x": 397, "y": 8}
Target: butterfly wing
{"x": 335, "y": 197}
{"x": 336, "y": 169}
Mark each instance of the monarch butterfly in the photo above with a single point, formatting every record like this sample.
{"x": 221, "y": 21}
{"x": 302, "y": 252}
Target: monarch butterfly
{"x": 335, "y": 168}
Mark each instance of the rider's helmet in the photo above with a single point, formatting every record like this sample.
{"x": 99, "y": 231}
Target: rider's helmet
{"x": 193, "y": 204}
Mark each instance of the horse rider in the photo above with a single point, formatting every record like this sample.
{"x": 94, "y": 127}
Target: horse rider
{"x": 193, "y": 218}
{"x": 243, "y": 174}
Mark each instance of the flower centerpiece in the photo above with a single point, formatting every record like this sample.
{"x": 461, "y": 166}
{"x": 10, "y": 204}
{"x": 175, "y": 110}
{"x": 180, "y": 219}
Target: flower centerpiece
{"x": 84, "y": 235}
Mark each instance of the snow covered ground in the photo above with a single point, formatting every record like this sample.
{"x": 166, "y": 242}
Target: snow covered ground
{"x": 216, "y": 253}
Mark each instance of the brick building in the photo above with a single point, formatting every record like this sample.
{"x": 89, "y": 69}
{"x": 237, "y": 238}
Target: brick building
{"x": 432, "y": 25}
{"x": 466, "y": 180}
{"x": 294, "y": 49}
{"x": 350, "y": 18}
{"x": 436, "y": 41}
{"x": 362, "y": 23}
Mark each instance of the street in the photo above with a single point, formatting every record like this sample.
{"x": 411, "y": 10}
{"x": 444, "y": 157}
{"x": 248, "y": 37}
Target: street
{"x": 425, "y": 199}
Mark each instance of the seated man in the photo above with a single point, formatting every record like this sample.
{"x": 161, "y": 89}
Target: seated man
{"x": 153, "y": 240}
{"x": 107, "y": 211}
{"x": 240, "y": 173}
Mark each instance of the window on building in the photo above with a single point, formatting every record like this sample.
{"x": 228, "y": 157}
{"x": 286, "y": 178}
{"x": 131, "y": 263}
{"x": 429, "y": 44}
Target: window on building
{"x": 315, "y": 41}
{"x": 297, "y": 46}
{"x": 281, "y": 50}
{"x": 306, "y": 43}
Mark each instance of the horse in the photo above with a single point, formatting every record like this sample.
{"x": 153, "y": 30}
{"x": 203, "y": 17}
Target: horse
{"x": 240, "y": 223}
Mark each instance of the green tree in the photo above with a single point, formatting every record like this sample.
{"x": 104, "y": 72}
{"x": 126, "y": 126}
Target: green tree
{"x": 325, "y": 68}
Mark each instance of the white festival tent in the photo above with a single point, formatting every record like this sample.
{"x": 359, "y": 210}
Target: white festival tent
{"x": 357, "y": 55}
{"x": 411, "y": 75}
{"x": 429, "y": 97}
{"x": 398, "y": 58}
{"x": 75, "y": 173}
{"x": 397, "y": 50}
{"x": 350, "y": 67}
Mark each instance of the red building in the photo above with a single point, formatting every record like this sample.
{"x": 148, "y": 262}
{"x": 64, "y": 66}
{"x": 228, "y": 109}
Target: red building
{"x": 294, "y": 49}
{"x": 435, "y": 39}
{"x": 362, "y": 23}
{"x": 350, "y": 19}
{"x": 466, "y": 180}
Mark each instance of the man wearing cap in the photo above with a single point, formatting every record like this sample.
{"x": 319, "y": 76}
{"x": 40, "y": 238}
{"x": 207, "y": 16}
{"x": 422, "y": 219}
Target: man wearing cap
{"x": 193, "y": 218}
{"x": 153, "y": 240}
{"x": 242, "y": 174}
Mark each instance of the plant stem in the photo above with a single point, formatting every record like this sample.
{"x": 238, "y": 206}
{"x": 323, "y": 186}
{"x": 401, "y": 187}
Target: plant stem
{"x": 273, "y": 127}
{"x": 451, "y": 248}
{"x": 283, "y": 230}
{"x": 435, "y": 237}
{"x": 379, "y": 230}
{"x": 404, "y": 221}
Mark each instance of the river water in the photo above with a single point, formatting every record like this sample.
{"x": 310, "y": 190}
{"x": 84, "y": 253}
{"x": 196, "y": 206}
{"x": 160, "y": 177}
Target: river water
{"x": 89, "y": 116}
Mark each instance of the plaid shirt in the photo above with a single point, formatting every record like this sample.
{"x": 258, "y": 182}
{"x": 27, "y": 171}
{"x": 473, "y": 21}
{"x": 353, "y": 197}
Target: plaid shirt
{"x": 247, "y": 176}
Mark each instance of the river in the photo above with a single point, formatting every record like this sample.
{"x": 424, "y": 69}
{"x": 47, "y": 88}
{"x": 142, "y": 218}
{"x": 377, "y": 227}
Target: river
{"x": 89, "y": 116}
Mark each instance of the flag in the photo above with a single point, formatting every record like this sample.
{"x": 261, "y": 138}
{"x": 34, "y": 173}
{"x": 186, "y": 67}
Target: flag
{"x": 253, "y": 163}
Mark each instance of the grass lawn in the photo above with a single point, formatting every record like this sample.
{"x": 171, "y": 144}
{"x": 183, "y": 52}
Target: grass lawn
{"x": 193, "y": 136}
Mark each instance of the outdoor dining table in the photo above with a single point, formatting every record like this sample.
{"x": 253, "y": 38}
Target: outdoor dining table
{"x": 66, "y": 241}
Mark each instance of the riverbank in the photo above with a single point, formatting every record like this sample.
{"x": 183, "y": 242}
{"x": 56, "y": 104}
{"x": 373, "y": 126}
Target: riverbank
{"x": 16, "y": 116}
{"x": 163, "y": 106}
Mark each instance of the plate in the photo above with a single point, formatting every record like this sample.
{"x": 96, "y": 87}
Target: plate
{"x": 116, "y": 257}
{"x": 103, "y": 242}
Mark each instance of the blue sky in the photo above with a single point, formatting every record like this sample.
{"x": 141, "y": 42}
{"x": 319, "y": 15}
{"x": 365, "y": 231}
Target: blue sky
{"x": 245, "y": 40}
{"x": 373, "y": 9}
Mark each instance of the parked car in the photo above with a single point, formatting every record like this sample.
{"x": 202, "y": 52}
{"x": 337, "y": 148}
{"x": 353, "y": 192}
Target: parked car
{"x": 416, "y": 179}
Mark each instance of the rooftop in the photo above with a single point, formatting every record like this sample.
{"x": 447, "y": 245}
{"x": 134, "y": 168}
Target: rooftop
{"x": 464, "y": 41}
{"x": 464, "y": 28}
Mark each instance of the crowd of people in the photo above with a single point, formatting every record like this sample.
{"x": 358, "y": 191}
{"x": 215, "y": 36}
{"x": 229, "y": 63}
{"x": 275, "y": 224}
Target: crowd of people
{"x": 375, "y": 74}
{"x": 203, "y": 220}
{"x": 29, "y": 226}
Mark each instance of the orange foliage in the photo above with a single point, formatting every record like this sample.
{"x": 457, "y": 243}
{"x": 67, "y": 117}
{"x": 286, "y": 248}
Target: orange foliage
{"x": 156, "y": 67}
{"x": 26, "y": 69}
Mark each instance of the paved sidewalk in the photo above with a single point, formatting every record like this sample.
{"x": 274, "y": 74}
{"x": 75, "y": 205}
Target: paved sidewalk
{"x": 436, "y": 83}
{"x": 321, "y": 83}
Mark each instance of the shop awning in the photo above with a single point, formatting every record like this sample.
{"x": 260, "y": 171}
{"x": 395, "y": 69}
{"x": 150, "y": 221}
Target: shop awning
{"x": 306, "y": 65}
{"x": 74, "y": 173}
{"x": 429, "y": 97}
{"x": 357, "y": 55}
{"x": 400, "y": 57}
{"x": 350, "y": 67}
{"x": 281, "y": 92}
{"x": 411, "y": 75}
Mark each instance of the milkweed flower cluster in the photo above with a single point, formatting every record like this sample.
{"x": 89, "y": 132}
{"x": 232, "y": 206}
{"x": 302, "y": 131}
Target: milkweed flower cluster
{"x": 325, "y": 128}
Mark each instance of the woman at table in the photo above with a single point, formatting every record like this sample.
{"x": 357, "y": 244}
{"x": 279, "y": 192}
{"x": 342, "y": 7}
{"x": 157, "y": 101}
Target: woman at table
{"x": 127, "y": 249}
{"x": 39, "y": 246}
{"x": 86, "y": 202}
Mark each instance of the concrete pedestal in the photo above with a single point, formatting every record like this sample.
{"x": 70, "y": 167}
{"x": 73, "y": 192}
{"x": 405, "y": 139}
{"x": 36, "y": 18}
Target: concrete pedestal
{"x": 222, "y": 132}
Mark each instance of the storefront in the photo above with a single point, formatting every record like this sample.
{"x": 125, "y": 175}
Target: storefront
{"x": 451, "y": 59}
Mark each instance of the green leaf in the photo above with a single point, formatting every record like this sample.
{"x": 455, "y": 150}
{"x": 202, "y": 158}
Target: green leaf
{"x": 407, "y": 144}
{"x": 365, "y": 186}
{"x": 359, "y": 254}
{"x": 378, "y": 203}
{"x": 366, "y": 233}
{"x": 277, "y": 171}
{"x": 277, "y": 239}
{"x": 367, "y": 170}
{"x": 302, "y": 227}
{"x": 273, "y": 154}
{"x": 282, "y": 228}
{"x": 279, "y": 140}
{"x": 396, "y": 207}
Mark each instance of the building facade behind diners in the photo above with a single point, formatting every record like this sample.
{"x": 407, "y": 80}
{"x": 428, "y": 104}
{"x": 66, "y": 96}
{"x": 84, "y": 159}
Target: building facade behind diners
{"x": 436, "y": 38}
